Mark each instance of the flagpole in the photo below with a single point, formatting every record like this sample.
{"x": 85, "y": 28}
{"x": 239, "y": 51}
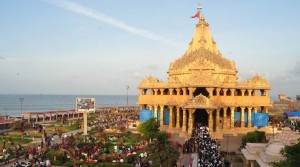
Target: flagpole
{"x": 199, "y": 10}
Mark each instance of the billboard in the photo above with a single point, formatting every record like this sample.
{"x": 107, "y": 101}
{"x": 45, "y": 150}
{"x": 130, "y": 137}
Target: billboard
{"x": 85, "y": 105}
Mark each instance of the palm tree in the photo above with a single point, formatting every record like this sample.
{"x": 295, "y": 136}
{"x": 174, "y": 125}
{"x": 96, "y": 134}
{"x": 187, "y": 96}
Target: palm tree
{"x": 161, "y": 152}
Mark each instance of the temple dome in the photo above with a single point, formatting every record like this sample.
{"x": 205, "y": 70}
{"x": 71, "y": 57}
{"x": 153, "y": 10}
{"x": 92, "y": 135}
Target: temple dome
{"x": 202, "y": 59}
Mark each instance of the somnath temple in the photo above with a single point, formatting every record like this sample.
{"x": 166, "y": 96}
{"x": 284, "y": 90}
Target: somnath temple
{"x": 203, "y": 87}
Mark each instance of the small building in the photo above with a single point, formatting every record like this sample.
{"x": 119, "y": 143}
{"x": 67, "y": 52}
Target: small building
{"x": 298, "y": 97}
{"x": 282, "y": 97}
{"x": 5, "y": 121}
{"x": 262, "y": 154}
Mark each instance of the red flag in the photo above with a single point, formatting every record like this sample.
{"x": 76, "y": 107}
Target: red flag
{"x": 197, "y": 15}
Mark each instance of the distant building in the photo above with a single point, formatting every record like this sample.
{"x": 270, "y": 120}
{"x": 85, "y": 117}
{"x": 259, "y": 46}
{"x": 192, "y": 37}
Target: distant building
{"x": 282, "y": 97}
{"x": 298, "y": 97}
{"x": 4, "y": 122}
{"x": 285, "y": 104}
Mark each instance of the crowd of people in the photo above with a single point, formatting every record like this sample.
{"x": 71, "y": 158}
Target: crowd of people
{"x": 35, "y": 154}
{"x": 207, "y": 149}
{"x": 94, "y": 150}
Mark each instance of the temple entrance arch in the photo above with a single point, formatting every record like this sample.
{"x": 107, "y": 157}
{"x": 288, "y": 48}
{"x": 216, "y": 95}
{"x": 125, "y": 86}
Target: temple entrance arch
{"x": 201, "y": 116}
{"x": 202, "y": 91}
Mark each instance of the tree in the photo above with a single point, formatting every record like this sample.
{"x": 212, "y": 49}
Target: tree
{"x": 238, "y": 159}
{"x": 254, "y": 137}
{"x": 149, "y": 129}
{"x": 19, "y": 125}
{"x": 291, "y": 154}
{"x": 162, "y": 152}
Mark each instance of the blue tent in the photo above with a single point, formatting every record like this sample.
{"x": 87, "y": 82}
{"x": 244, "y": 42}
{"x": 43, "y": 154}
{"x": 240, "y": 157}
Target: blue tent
{"x": 258, "y": 119}
{"x": 292, "y": 114}
{"x": 145, "y": 115}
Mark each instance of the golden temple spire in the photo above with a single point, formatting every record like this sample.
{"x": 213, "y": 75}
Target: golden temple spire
{"x": 202, "y": 37}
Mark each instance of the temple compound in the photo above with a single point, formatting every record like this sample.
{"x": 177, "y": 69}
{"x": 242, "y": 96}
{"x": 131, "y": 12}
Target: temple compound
{"x": 203, "y": 87}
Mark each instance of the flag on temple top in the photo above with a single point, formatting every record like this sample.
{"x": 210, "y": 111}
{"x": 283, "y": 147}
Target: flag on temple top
{"x": 197, "y": 15}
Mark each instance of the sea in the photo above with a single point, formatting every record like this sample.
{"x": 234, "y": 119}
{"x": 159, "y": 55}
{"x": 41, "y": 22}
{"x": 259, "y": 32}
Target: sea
{"x": 11, "y": 104}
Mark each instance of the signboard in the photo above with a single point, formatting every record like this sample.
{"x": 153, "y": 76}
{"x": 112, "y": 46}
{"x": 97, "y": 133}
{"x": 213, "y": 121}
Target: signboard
{"x": 85, "y": 105}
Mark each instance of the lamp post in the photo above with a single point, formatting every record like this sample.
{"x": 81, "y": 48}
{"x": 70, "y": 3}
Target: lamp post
{"x": 21, "y": 99}
{"x": 127, "y": 87}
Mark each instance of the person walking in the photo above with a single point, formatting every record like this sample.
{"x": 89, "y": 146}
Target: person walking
{"x": 48, "y": 163}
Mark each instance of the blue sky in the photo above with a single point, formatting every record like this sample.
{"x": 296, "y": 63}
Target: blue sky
{"x": 99, "y": 47}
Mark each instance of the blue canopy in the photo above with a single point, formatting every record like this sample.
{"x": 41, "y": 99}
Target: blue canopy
{"x": 292, "y": 113}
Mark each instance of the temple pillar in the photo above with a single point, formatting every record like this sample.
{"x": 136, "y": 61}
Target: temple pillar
{"x": 232, "y": 117}
{"x": 184, "y": 91}
{"x": 155, "y": 112}
{"x": 250, "y": 92}
{"x": 243, "y": 92}
{"x": 141, "y": 91}
{"x": 150, "y": 91}
{"x": 161, "y": 91}
{"x": 56, "y": 116}
{"x": 210, "y": 91}
{"x": 210, "y": 120}
{"x": 150, "y": 107}
{"x": 74, "y": 115}
{"x": 242, "y": 117}
{"x": 249, "y": 117}
{"x": 218, "y": 120}
{"x": 178, "y": 91}
{"x": 255, "y": 109}
{"x": 225, "y": 91}
{"x": 161, "y": 122}
{"x": 68, "y": 114}
{"x": 190, "y": 125}
{"x": 171, "y": 91}
{"x": 155, "y": 91}
{"x": 266, "y": 92}
{"x": 224, "y": 118}
{"x": 44, "y": 117}
{"x": 255, "y": 92}
{"x": 218, "y": 91}
{"x": 191, "y": 91}
{"x": 177, "y": 117}
{"x": 50, "y": 116}
{"x": 266, "y": 109}
{"x": 37, "y": 118}
{"x": 184, "y": 120}
{"x": 171, "y": 117}
{"x": 232, "y": 92}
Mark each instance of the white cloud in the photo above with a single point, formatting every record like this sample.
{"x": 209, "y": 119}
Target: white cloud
{"x": 77, "y": 8}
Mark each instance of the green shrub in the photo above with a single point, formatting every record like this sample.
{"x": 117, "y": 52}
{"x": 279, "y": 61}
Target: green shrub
{"x": 109, "y": 164}
{"x": 56, "y": 163}
{"x": 69, "y": 164}
{"x": 254, "y": 137}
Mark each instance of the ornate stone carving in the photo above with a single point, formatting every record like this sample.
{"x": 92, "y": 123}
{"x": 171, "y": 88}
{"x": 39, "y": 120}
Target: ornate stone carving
{"x": 255, "y": 81}
{"x": 150, "y": 80}
{"x": 199, "y": 100}
{"x": 202, "y": 54}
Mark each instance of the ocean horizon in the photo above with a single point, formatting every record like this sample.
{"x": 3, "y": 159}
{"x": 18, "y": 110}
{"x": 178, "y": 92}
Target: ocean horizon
{"x": 10, "y": 104}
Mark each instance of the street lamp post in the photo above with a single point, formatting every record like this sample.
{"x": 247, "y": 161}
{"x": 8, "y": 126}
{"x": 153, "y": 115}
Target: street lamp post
{"x": 21, "y": 100}
{"x": 127, "y": 87}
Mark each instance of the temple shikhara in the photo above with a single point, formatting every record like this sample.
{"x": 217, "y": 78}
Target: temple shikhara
{"x": 203, "y": 87}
